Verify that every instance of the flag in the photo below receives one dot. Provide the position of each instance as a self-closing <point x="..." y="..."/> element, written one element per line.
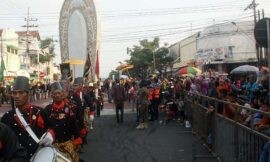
<point x="2" y="69"/>
<point x="97" y="65"/>
<point x="87" y="66"/>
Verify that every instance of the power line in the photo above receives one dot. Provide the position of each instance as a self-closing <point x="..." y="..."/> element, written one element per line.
<point x="137" y="36"/>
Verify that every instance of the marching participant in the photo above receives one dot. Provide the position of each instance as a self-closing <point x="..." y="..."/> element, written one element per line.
<point x="77" y="98"/>
<point x="31" y="114"/>
<point x="62" y="120"/>
<point x="91" y="103"/>
<point x="100" y="101"/>
<point x="10" y="150"/>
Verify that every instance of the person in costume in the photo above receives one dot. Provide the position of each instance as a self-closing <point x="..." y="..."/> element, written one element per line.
<point x="62" y="120"/>
<point x="10" y="149"/>
<point x="118" y="93"/>
<point x="143" y="105"/>
<point x="91" y="103"/>
<point x="100" y="101"/>
<point x="32" y="115"/>
<point x="77" y="98"/>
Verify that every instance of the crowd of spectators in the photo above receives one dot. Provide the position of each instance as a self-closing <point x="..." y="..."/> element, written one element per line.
<point x="38" y="91"/>
<point x="242" y="96"/>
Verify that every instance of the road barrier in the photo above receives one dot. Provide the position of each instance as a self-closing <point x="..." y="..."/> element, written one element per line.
<point x="228" y="138"/>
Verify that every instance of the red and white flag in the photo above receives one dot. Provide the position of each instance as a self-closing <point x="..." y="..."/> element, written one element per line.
<point x="97" y="65"/>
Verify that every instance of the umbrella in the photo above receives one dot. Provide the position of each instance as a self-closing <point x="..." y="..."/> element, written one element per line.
<point x="75" y="61"/>
<point x="24" y="73"/>
<point x="189" y="70"/>
<point x="123" y="66"/>
<point x="245" y="69"/>
<point x="128" y="67"/>
<point x="188" y="75"/>
<point x="123" y="77"/>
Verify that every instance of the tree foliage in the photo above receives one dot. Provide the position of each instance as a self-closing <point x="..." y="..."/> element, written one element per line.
<point x="47" y="43"/>
<point x="115" y="73"/>
<point x="142" y="56"/>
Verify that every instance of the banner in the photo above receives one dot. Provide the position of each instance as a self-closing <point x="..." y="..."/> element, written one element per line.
<point x="87" y="66"/>
<point x="66" y="72"/>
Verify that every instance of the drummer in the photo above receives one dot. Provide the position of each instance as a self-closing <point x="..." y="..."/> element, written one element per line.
<point x="61" y="118"/>
<point x="31" y="114"/>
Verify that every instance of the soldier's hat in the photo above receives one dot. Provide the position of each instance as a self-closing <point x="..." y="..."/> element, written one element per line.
<point x="21" y="83"/>
<point x="56" y="86"/>
<point x="78" y="81"/>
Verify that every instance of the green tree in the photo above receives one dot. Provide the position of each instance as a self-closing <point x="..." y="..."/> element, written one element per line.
<point x="115" y="73"/>
<point x="46" y="43"/>
<point x="142" y="57"/>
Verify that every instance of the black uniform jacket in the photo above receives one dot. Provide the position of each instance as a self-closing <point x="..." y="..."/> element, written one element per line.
<point x="35" y="118"/>
<point x="62" y="120"/>
<point x="80" y="106"/>
<point x="10" y="149"/>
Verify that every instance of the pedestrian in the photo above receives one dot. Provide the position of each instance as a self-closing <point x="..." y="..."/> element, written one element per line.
<point x="10" y="149"/>
<point x="143" y="105"/>
<point x="118" y="94"/>
<point x="31" y="114"/>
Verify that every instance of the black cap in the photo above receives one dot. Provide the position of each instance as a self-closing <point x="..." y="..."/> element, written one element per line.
<point x="56" y="86"/>
<point x="21" y="83"/>
<point x="78" y="81"/>
<point x="63" y="85"/>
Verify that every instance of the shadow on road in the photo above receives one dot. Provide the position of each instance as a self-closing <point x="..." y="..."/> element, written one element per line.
<point x="112" y="142"/>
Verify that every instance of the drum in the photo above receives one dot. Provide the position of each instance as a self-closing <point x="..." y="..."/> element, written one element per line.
<point x="49" y="154"/>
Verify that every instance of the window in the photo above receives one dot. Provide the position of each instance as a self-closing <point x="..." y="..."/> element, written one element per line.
<point x="8" y="49"/>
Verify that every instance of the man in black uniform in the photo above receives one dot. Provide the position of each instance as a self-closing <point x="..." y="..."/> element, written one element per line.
<point x="62" y="120"/>
<point x="10" y="149"/>
<point x="78" y="99"/>
<point x="31" y="114"/>
<point x="118" y="94"/>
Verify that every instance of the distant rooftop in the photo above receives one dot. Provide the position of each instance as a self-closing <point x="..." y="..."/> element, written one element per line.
<point x="32" y="33"/>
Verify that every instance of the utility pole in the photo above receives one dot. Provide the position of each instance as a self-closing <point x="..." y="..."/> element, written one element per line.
<point x="253" y="6"/>
<point x="1" y="48"/>
<point x="154" y="60"/>
<point x="268" y="49"/>
<point x="28" y="26"/>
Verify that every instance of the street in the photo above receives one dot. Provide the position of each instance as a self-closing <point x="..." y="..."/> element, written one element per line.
<point x="112" y="142"/>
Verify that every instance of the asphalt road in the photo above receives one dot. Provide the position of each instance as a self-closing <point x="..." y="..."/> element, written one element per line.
<point x="112" y="142"/>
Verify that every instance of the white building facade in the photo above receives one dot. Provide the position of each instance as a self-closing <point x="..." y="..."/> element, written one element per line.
<point x="226" y="44"/>
<point x="9" y="52"/>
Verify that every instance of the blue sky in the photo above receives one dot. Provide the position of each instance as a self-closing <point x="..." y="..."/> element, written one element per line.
<point x="125" y="22"/>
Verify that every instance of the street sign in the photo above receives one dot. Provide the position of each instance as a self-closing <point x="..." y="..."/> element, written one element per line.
<point x="41" y="74"/>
